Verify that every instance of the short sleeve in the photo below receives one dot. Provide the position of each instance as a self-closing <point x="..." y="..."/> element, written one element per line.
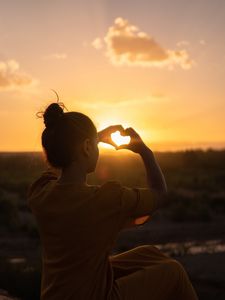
<point x="138" y="202"/>
<point x="135" y="206"/>
<point x="129" y="206"/>
<point x="44" y="178"/>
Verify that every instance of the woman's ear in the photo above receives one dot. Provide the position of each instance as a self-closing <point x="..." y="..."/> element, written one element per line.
<point x="87" y="147"/>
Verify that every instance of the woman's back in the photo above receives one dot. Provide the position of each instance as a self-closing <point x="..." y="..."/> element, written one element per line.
<point x="78" y="226"/>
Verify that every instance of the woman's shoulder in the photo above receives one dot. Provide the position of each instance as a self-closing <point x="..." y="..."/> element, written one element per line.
<point x="46" y="176"/>
<point x="110" y="188"/>
<point x="111" y="184"/>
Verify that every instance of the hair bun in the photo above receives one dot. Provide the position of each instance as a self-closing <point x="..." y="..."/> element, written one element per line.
<point x="52" y="115"/>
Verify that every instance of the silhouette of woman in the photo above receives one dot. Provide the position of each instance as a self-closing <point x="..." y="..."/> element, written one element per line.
<point x="78" y="223"/>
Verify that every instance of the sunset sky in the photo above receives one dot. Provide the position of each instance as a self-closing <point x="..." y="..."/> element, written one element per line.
<point x="157" y="66"/>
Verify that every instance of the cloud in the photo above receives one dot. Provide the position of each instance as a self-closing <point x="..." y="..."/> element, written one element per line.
<point x="97" y="43"/>
<point x="12" y="77"/>
<point x="57" y="56"/>
<point x="127" y="45"/>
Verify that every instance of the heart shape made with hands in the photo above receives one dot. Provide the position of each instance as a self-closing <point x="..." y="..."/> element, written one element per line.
<point x="119" y="139"/>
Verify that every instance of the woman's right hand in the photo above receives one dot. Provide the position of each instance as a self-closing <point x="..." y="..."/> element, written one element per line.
<point x="136" y="143"/>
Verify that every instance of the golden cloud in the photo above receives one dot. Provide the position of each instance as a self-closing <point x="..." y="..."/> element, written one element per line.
<point x="127" y="45"/>
<point x="97" y="43"/>
<point x="11" y="76"/>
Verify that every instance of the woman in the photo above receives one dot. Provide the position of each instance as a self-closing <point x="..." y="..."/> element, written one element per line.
<point x="78" y="223"/>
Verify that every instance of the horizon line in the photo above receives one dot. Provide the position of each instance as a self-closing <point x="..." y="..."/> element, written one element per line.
<point x="109" y="151"/>
<point x="167" y="146"/>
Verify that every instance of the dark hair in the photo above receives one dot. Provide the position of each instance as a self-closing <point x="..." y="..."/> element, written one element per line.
<point x="63" y="133"/>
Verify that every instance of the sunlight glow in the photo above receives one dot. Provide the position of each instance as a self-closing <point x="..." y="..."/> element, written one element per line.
<point x="119" y="139"/>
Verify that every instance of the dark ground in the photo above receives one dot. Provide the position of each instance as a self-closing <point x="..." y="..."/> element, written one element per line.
<point x="206" y="270"/>
<point x="194" y="222"/>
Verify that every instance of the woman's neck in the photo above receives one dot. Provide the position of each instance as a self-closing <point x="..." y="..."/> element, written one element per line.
<point x="75" y="173"/>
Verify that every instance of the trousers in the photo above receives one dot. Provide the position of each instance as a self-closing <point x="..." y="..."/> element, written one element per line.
<point x="145" y="273"/>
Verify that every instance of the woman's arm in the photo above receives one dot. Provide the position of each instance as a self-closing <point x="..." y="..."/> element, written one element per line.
<point x="155" y="178"/>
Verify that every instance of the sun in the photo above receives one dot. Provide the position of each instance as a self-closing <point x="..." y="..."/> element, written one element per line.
<point x="119" y="139"/>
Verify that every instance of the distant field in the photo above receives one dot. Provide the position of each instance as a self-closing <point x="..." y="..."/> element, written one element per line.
<point x="191" y="169"/>
<point x="195" y="181"/>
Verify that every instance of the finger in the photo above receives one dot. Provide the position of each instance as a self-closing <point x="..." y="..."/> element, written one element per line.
<point x="130" y="131"/>
<point x="113" y="144"/>
<point x="110" y="143"/>
<point x="127" y="131"/>
<point x="124" y="146"/>
<point x="109" y="130"/>
<point x="124" y="133"/>
<point x="118" y="127"/>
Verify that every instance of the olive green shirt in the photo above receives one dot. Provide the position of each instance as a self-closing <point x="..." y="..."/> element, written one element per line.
<point x="78" y="226"/>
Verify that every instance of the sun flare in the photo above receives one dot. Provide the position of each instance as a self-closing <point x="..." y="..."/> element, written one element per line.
<point x="119" y="139"/>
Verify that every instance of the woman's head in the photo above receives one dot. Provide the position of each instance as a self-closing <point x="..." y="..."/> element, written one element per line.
<point x="68" y="137"/>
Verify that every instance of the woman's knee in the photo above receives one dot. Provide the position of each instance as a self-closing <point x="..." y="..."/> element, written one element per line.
<point x="170" y="268"/>
<point x="144" y="247"/>
<point x="147" y="248"/>
<point x="175" y="270"/>
<point x="175" y="265"/>
<point x="180" y="280"/>
<point x="153" y="252"/>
